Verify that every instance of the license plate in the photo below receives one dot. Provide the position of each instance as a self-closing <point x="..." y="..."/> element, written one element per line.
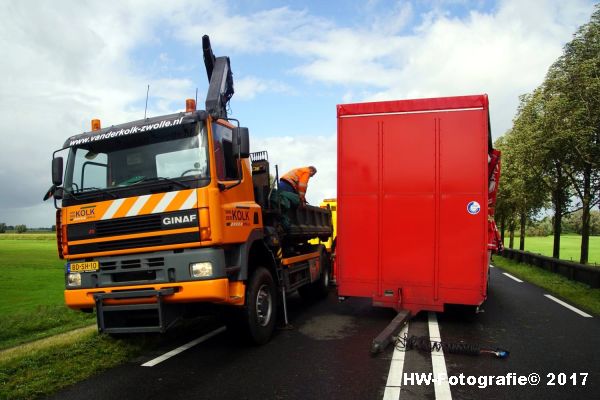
<point x="84" y="266"/>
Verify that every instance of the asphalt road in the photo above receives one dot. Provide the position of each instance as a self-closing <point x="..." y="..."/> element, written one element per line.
<point x="326" y="355"/>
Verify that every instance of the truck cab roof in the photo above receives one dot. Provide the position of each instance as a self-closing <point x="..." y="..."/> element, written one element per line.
<point x="136" y="127"/>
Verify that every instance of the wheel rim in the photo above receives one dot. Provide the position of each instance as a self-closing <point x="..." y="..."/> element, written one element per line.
<point x="264" y="305"/>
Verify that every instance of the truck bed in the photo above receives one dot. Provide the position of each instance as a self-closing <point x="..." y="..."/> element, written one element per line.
<point x="294" y="222"/>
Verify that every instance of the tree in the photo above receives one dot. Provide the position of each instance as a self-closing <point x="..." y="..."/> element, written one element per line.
<point x="2" y="227"/>
<point x="528" y="193"/>
<point x="21" y="228"/>
<point x="575" y="79"/>
<point x="540" y="117"/>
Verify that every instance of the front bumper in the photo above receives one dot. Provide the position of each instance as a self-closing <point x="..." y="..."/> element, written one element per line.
<point x="212" y="291"/>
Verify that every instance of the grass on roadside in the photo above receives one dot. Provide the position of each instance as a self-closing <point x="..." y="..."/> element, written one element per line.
<point x="576" y="293"/>
<point x="29" y="236"/>
<point x="32" y="284"/>
<point x="17" y="328"/>
<point x="45" y="371"/>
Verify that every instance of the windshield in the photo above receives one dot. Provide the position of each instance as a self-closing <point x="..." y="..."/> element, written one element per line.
<point x="173" y="155"/>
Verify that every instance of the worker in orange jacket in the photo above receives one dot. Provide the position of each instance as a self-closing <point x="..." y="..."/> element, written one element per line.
<point x="296" y="181"/>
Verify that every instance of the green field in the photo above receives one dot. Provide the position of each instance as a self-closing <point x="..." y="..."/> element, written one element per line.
<point x="32" y="284"/>
<point x="570" y="246"/>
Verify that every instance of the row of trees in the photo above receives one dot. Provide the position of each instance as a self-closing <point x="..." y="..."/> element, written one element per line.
<point x="571" y="224"/>
<point x="551" y="156"/>
<point x="16" y="228"/>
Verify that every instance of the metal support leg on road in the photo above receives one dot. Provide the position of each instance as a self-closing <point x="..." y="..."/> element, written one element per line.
<point x="385" y="337"/>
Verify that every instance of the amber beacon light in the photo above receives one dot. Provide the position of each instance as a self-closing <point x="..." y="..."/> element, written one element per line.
<point x="190" y="105"/>
<point x="96" y="125"/>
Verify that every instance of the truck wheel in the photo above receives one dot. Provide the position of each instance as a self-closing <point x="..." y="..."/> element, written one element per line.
<point x="260" y="311"/>
<point x="319" y="288"/>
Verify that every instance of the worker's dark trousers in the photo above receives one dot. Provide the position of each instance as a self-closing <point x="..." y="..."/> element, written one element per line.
<point x="285" y="187"/>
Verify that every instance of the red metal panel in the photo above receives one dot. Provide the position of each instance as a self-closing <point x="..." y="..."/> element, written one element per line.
<point x="463" y="180"/>
<point x="407" y="171"/>
<point x="408" y="205"/>
<point x="357" y="243"/>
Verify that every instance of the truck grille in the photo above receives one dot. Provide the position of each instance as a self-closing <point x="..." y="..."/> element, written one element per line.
<point x="135" y="243"/>
<point x="125" y="226"/>
<point x="126" y="271"/>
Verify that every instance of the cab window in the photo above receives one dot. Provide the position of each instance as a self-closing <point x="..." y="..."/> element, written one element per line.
<point x="226" y="161"/>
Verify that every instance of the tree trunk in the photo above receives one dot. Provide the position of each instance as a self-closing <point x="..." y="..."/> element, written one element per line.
<point x="557" y="223"/>
<point x="585" y="215"/>
<point x="502" y="229"/>
<point x="511" y="230"/>
<point x="522" y="238"/>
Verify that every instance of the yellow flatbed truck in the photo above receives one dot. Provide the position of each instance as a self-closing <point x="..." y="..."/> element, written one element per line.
<point x="160" y="217"/>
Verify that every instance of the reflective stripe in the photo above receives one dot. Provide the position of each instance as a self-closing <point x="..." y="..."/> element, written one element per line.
<point x="112" y="209"/>
<point x="190" y="202"/>
<point x="164" y="202"/>
<point x="137" y="206"/>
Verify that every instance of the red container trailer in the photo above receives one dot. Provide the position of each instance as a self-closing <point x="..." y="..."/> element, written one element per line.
<point x="413" y="185"/>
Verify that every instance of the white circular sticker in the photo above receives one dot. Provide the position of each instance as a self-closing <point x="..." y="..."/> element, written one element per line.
<point x="473" y="208"/>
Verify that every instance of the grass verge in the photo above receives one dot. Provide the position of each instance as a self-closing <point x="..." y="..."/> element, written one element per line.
<point x="44" y="321"/>
<point x="32" y="284"/>
<point x="576" y="293"/>
<point x="43" y="371"/>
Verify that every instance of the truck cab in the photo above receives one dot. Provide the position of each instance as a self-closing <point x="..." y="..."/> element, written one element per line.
<point x="159" y="215"/>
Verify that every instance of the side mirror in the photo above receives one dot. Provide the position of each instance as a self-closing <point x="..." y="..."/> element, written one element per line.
<point x="57" y="171"/>
<point x="241" y="142"/>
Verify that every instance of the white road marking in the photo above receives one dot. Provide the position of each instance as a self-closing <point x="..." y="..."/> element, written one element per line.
<point x="491" y="266"/>
<point x="183" y="348"/>
<point x="512" y="277"/>
<point x="438" y="361"/>
<point x="394" y="380"/>
<point x="570" y="307"/>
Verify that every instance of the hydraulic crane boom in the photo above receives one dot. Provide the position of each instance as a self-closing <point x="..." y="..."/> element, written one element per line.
<point x="220" y="79"/>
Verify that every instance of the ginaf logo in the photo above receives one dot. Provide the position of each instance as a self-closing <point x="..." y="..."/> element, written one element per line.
<point x="473" y="208"/>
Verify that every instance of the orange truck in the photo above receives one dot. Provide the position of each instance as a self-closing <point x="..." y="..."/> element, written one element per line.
<point x="170" y="216"/>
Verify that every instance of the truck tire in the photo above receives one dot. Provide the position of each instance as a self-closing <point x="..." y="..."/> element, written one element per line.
<point x="260" y="312"/>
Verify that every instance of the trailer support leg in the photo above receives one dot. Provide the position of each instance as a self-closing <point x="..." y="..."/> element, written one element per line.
<point x="285" y="315"/>
<point x="385" y="337"/>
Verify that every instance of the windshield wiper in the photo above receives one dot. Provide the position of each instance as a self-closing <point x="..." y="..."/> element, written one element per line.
<point x="160" y="178"/>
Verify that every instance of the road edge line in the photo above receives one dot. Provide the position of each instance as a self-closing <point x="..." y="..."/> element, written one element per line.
<point x="183" y="348"/>
<point x="514" y="278"/>
<point x="438" y="361"/>
<point x="394" y="379"/>
<point x="570" y="307"/>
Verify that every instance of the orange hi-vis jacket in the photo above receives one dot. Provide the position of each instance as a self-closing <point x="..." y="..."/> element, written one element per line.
<point x="298" y="179"/>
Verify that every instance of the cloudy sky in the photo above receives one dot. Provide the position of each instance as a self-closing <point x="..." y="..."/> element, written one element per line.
<point x="66" y="62"/>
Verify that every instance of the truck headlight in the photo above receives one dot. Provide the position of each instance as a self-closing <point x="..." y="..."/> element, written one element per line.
<point x="201" y="269"/>
<point x="74" y="279"/>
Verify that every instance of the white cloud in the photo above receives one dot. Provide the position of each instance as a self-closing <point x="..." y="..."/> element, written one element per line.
<point x="505" y="53"/>
<point x="68" y="61"/>
<point x="248" y="87"/>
